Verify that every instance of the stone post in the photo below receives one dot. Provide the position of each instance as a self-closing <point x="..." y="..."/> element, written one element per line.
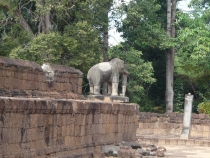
<point x="187" y="116"/>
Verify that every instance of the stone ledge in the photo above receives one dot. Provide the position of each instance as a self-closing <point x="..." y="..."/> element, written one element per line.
<point x="104" y="98"/>
<point x="44" y="105"/>
<point x="174" y="141"/>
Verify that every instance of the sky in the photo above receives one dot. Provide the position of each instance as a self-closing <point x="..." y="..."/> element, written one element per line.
<point x="114" y="36"/>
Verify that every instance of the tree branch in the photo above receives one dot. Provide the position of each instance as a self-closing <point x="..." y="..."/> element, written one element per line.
<point x="22" y="21"/>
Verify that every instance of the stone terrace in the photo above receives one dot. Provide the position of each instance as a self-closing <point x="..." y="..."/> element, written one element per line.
<point x="42" y="119"/>
<point x="19" y="78"/>
<point x="165" y="129"/>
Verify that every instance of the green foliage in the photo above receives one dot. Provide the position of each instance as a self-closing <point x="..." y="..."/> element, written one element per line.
<point x="140" y="77"/>
<point x="192" y="56"/>
<point x="78" y="46"/>
<point x="82" y="44"/>
<point x="16" y="38"/>
<point x="143" y="26"/>
<point x="204" y="107"/>
<point x="144" y="30"/>
<point x="178" y="94"/>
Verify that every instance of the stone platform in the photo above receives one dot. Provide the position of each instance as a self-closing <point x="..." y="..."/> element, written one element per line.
<point x="160" y="139"/>
<point x="106" y="98"/>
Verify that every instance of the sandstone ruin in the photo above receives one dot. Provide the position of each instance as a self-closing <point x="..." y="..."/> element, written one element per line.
<point x="48" y="117"/>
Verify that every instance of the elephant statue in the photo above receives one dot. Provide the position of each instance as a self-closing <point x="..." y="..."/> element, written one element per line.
<point x="108" y="72"/>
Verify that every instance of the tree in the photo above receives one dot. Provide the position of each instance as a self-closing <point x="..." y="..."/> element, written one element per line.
<point x="144" y="30"/>
<point x="171" y="14"/>
<point x="63" y="32"/>
<point x="140" y="74"/>
<point x="192" y="57"/>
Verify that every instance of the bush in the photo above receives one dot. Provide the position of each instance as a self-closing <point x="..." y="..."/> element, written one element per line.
<point x="204" y="107"/>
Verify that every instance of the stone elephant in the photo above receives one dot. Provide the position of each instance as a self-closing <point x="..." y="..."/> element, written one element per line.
<point x="108" y="72"/>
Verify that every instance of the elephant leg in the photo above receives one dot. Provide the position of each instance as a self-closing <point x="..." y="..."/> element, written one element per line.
<point x="104" y="91"/>
<point x="91" y="90"/>
<point x="123" y="91"/>
<point x="124" y="83"/>
<point x="91" y="85"/>
<point x="97" y="90"/>
<point x="114" y="89"/>
<point x="109" y="89"/>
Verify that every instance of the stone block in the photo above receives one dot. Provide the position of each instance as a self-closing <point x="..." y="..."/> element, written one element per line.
<point x="181" y="142"/>
<point x="60" y="141"/>
<point x="6" y="135"/>
<point x="98" y="154"/>
<point x="199" y="128"/>
<point x="162" y="125"/>
<point x="154" y="119"/>
<point x="167" y="142"/>
<point x="112" y="128"/>
<point x="206" y="128"/>
<point x="2" y="82"/>
<point x="87" y="140"/>
<point x="197" y="142"/>
<point x="173" y="142"/>
<point x="77" y="131"/>
<point x="79" y="120"/>
<point x="69" y="141"/>
<point x="161" y="141"/>
<point x="201" y="116"/>
<point x="191" y="142"/>
<point x="141" y="125"/>
<point x="74" y="88"/>
<point x="7" y="82"/>
<point x="116" y="99"/>
<point x="71" y="130"/>
<point x="206" y="134"/>
<point x="69" y="87"/>
<point x="206" y="143"/>
<point x="193" y="133"/>
<point x="80" y="80"/>
<point x="89" y="119"/>
<point x="146" y="125"/>
<point x="106" y="128"/>
<point x="16" y="135"/>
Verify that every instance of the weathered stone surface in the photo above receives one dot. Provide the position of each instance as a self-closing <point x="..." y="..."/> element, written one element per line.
<point x="21" y="78"/>
<point x="98" y="154"/>
<point x="104" y="98"/>
<point x="151" y="147"/>
<point x="143" y="152"/>
<point x="123" y="153"/>
<point x="62" y="127"/>
<point x="171" y="124"/>
<point x="110" y="150"/>
<point x="134" y="145"/>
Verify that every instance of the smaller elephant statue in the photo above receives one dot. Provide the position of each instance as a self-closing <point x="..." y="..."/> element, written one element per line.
<point x="108" y="72"/>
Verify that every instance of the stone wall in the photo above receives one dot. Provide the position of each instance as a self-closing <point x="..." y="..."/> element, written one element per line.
<point x="19" y="78"/>
<point x="32" y="127"/>
<point x="171" y="124"/>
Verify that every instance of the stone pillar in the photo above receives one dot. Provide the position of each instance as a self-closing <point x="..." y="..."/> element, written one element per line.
<point x="187" y="116"/>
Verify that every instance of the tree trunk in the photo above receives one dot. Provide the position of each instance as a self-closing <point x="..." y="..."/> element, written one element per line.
<point x="45" y="23"/>
<point x="173" y="34"/>
<point x="105" y="46"/>
<point x="48" y="25"/>
<point x="169" y="73"/>
<point x="23" y="22"/>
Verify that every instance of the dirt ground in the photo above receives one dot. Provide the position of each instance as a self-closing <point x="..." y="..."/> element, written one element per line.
<point x="187" y="152"/>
